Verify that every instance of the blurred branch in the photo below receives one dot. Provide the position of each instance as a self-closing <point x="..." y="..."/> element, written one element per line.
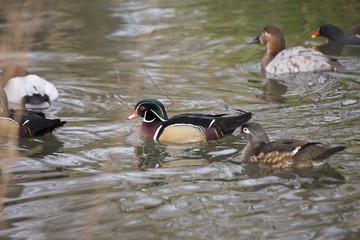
<point x="21" y="19"/>
<point x="156" y="86"/>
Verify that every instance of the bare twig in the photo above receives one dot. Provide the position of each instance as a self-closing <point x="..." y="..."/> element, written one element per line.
<point x="317" y="91"/>
<point x="119" y="80"/>
<point x="22" y="22"/>
<point x="117" y="73"/>
<point x="152" y="81"/>
<point x="23" y="27"/>
<point x="126" y="103"/>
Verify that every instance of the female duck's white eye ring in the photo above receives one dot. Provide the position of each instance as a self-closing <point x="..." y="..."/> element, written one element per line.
<point x="246" y="130"/>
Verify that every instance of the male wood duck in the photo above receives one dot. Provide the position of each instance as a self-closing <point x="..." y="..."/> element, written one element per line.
<point x="24" y="123"/>
<point x="279" y="60"/>
<point x="184" y="128"/>
<point x="26" y="89"/>
<point x="335" y="34"/>
<point x="284" y="153"/>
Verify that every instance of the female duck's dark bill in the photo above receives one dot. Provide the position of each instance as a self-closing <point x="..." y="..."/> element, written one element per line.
<point x="255" y="41"/>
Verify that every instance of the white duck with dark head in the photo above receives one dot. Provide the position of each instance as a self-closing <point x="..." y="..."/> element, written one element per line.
<point x="27" y="89"/>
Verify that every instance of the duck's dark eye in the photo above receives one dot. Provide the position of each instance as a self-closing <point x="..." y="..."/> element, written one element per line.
<point x="142" y="108"/>
<point x="246" y="130"/>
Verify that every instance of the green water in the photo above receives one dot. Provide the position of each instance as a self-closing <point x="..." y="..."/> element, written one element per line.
<point x="95" y="179"/>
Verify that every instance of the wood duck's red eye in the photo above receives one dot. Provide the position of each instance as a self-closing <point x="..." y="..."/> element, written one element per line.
<point x="142" y="108"/>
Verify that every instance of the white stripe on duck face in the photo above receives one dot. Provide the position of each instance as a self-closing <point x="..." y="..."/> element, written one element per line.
<point x="151" y="120"/>
<point x="146" y="120"/>
<point x="162" y="119"/>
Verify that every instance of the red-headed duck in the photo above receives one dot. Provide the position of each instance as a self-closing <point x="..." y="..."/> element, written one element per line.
<point x="279" y="60"/>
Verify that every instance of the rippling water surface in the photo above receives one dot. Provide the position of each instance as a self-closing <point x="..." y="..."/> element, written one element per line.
<point x="95" y="179"/>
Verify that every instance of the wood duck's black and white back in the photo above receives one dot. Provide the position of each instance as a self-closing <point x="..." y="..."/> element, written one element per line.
<point x="284" y="153"/>
<point x="184" y="128"/>
<point x="24" y="123"/>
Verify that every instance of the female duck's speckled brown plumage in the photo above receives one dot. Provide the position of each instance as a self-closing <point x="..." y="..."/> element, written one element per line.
<point x="284" y="153"/>
<point x="279" y="60"/>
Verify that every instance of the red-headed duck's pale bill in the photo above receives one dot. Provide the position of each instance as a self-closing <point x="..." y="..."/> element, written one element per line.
<point x="316" y="34"/>
<point x="135" y="115"/>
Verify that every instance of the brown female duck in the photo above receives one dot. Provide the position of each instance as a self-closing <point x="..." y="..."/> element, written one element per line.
<point x="283" y="153"/>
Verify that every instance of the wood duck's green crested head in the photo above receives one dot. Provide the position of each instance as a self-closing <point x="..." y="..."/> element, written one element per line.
<point x="150" y="110"/>
<point x="254" y="133"/>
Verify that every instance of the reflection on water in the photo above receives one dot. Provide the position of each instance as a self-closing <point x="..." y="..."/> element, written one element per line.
<point x="95" y="179"/>
<point x="156" y="155"/>
<point x="322" y="175"/>
<point x="272" y="91"/>
<point x="338" y="49"/>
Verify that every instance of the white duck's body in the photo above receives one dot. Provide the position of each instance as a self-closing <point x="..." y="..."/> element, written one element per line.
<point x="23" y="88"/>
<point x="299" y="59"/>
